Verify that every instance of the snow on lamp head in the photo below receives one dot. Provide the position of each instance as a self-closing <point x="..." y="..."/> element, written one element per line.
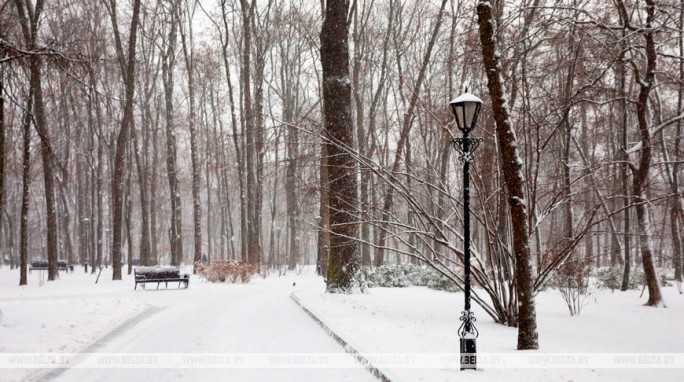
<point x="466" y="108"/>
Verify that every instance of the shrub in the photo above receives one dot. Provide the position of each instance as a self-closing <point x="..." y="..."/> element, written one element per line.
<point x="572" y="281"/>
<point x="222" y="271"/>
<point x="405" y="275"/>
<point x="611" y="278"/>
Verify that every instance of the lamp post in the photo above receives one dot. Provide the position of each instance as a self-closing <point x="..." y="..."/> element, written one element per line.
<point x="466" y="109"/>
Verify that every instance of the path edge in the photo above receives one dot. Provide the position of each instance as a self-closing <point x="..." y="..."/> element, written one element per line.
<point x="122" y="327"/>
<point x="345" y="345"/>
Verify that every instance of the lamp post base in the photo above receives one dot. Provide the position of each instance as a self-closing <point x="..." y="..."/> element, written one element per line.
<point x="468" y="354"/>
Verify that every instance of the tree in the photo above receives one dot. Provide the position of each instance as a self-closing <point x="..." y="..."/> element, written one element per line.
<point x="343" y="260"/>
<point x="189" y="55"/>
<point x="25" y="191"/>
<point x="30" y="16"/>
<point x="127" y="65"/>
<point x="168" y="66"/>
<point x="646" y="78"/>
<point x="512" y="171"/>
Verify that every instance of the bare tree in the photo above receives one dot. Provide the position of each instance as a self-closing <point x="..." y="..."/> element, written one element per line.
<point x="512" y="171"/>
<point x="168" y="65"/>
<point x="29" y="16"/>
<point x="184" y="14"/>
<point x="127" y="64"/>
<point x="343" y="260"/>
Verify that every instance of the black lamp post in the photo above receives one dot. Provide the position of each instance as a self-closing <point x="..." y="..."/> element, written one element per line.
<point x="466" y="108"/>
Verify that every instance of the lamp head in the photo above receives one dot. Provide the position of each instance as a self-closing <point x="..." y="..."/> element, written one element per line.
<point x="466" y="109"/>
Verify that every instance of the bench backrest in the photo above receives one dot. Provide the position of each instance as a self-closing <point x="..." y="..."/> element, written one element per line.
<point x="156" y="273"/>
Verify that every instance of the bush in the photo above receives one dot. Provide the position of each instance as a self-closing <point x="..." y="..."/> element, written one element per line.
<point x="611" y="278"/>
<point x="222" y="271"/>
<point x="405" y="275"/>
<point x="572" y="281"/>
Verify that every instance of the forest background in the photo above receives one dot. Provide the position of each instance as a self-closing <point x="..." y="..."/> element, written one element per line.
<point x="168" y="130"/>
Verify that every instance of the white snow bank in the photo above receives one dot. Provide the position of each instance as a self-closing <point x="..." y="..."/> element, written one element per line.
<point x="412" y="321"/>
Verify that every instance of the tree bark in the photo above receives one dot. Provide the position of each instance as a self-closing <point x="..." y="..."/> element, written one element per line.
<point x="189" y="55"/>
<point x="25" y="191"/>
<point x="175" y="229"/>
<point x="641" y="172"/>
<point x="2" y="148"/>
<point x="29" y="18"/>
<point x="512" y="171"/>
<point x="343" y="260"/>
<point x="122" y="136"/>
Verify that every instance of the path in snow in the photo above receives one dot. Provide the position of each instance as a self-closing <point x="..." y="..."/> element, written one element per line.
<point x="207" y="318"/>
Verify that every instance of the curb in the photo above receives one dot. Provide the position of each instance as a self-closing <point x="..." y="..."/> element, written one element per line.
<point x="100" y="342"/>
<point x="347" y="348"/>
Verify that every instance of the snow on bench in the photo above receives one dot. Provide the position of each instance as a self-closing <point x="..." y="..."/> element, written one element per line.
<point x="159" y="274"/>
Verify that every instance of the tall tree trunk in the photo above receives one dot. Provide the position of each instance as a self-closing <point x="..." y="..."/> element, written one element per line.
<point x="512" y="171"/>
<point x="253" y="247"/>
<point x="29" y="17"/>
<point x="625" y="167"/>
<point x="323" y="213"/>
<point x="144" y="202"/>
<point x="2" y="147"/>
<point x="343" y="257"/>
<point x="128" y="71"/>
<point x="291" y="191"/>
<point x="25" y="191"/>
<point x="100" y="208"/>
<point x="189" y="55"/>
<point x="129" y="210"/>
<point x="641" y="172"/>
<point x="175" y="230"/>
<point x="677" y="213"/>
<point x="154" y="240"/>
<point x="237" y="141"/>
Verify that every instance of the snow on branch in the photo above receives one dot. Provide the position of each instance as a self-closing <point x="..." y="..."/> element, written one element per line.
<point x="9" y="52"/>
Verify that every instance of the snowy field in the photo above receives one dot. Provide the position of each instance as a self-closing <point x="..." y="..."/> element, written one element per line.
<point x="256" y="332"/>
<point x="614" y="338"/>
<point x="207" y="332"/>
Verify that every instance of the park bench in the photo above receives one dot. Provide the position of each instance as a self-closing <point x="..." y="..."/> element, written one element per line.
<point x="42" y="265"/>
<point x="144" y="275"/>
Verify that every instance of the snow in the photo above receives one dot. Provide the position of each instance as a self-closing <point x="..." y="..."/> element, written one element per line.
<point x="344" y="80"/>
<point x="416" y="322"/>
<point x="256" y="322"/>
<point x="255" y="332"/>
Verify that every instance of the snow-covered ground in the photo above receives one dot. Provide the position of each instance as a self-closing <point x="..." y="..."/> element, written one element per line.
<point x="248" y="332"/>
<point x="255" y="332"/>
<point x="614" y="338"/>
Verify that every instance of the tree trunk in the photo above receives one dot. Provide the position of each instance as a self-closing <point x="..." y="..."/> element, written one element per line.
<point x="122" y="136"/>
<point x="642" y="171"/>
<point x="253" y="248"/>
<point x="25" y="191"/>
<point x="343" y="260"/>
<point x="677" y="213"/>
<point x="291" y="192"/>
<point x="175" y="229"/>
<point x="2" y="148"/>
<point x="29" y="17"/>
<point x="625" y="167"/>
<point x="324" y="213"/>
<point x="512" y="171"/>
<point x="144" y="202"/>
<point x="188" y="54"/>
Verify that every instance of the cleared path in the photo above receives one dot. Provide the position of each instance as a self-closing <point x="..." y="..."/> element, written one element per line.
<point x="208" y="320"/>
